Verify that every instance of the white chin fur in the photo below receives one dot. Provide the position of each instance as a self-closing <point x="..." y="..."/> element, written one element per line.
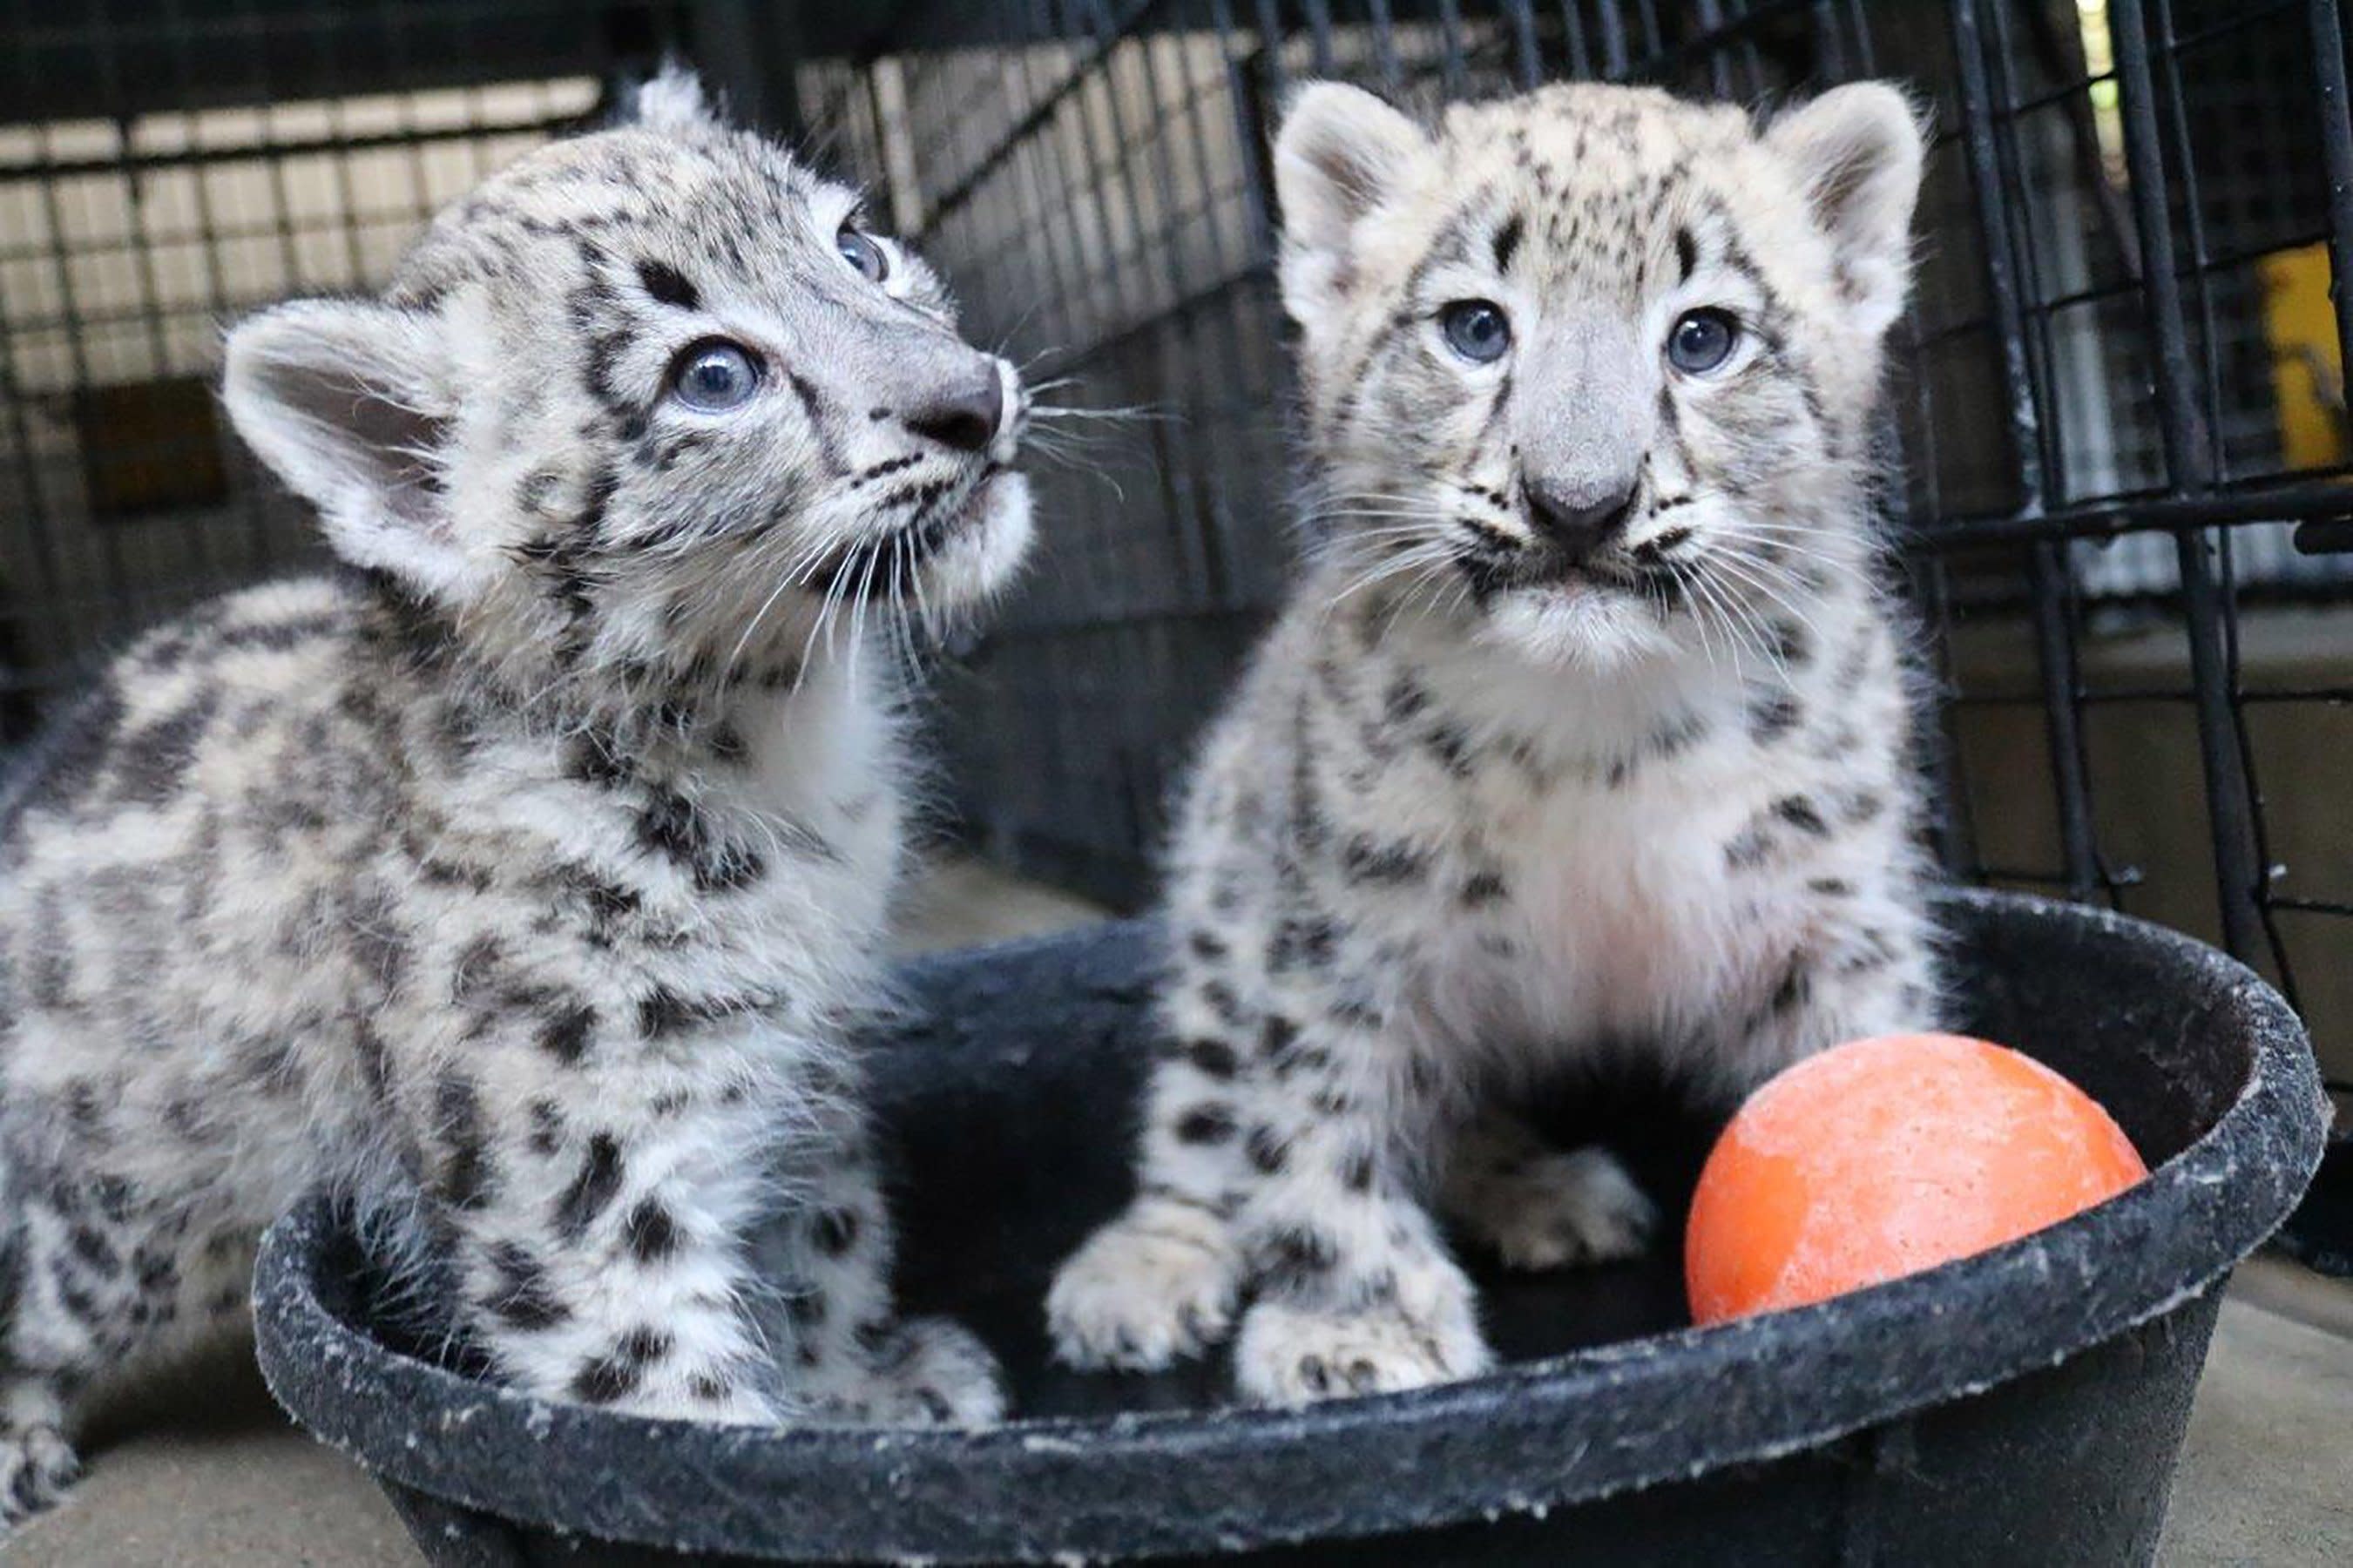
<point x="1577" y="626"/>
<point x="980" y="560"/>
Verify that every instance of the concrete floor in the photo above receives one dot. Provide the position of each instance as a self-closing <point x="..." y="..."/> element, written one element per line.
<point x="2266" y="1477"/>
<point x="209" y="1473"/>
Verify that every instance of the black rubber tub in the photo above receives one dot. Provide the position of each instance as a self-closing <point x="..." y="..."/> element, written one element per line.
<point x="2022" y="1406"/>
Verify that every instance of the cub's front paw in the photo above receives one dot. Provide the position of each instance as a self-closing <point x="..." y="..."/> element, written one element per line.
<point x="1567" y="1207"/>
<point x="1158" y="1283"/>
<point x="926" y="1372"/>
<point x="1289" y="1354"/>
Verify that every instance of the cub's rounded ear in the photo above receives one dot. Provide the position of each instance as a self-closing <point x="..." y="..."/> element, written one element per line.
<point x="349" y="404"/>
<point x="672" y="101"/>
<point x="1340" y="154"/>
<point x="1857" y="151"/>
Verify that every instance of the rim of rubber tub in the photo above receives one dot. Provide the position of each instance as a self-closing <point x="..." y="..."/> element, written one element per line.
<point x="1534" y="1436"/>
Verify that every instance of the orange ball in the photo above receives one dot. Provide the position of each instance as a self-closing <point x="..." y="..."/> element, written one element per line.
<point x="1882" y="1157"/>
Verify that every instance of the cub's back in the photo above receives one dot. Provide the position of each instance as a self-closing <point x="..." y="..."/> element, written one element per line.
<point x="174" y="859"/>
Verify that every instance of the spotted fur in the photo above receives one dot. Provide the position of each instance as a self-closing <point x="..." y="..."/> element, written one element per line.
<point x="524" y="878"/>
<point x="1585" y="735"/>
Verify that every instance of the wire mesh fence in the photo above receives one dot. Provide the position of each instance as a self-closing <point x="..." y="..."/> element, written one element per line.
<point x="2120" y="401"/>
<point x="166" y="165"/>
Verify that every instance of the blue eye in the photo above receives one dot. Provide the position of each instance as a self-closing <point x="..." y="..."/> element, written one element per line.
<point x="716" y="375"/>
<point x="1477" y="330"/>
<point x="1701" y="341"/>
<point x="864" y="252"/>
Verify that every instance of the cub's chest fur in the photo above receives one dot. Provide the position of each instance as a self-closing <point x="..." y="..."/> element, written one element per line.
<point x="1623" y="914"/>
<point x="813" y="801"/>
<point x="819" y="782"/>
<point x="769" y="840"/>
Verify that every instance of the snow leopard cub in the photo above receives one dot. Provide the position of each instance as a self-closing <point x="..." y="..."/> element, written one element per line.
<point x="1587" y="732"/>
<point x="528" y="875"/>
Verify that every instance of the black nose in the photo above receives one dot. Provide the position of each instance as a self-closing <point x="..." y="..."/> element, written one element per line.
<point x="1577" y="521"/>
<point x="964" y="410"/>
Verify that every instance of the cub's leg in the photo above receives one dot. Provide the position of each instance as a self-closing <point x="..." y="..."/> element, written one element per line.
<point x="596" y="1178"/>
<point x="829" y="1262"/>
<point x="601" y="1250"/>
<point x="1161" y="1281"/>
<point x="1277" y="1157"/>
<point x="54" y="1342"/>
<point x="609" y="1209"/>
<point x="101" y="1277"/>
<point x="1354" y="1290"/>
<point x="1538" y="1206"/>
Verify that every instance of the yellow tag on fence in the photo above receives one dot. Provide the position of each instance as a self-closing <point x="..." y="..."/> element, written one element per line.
<point x="2307" y="365"/>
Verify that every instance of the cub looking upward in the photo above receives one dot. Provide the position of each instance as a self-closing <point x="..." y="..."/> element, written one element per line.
<point x="1585" y="734"/>
<point x="528" y="874"/>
